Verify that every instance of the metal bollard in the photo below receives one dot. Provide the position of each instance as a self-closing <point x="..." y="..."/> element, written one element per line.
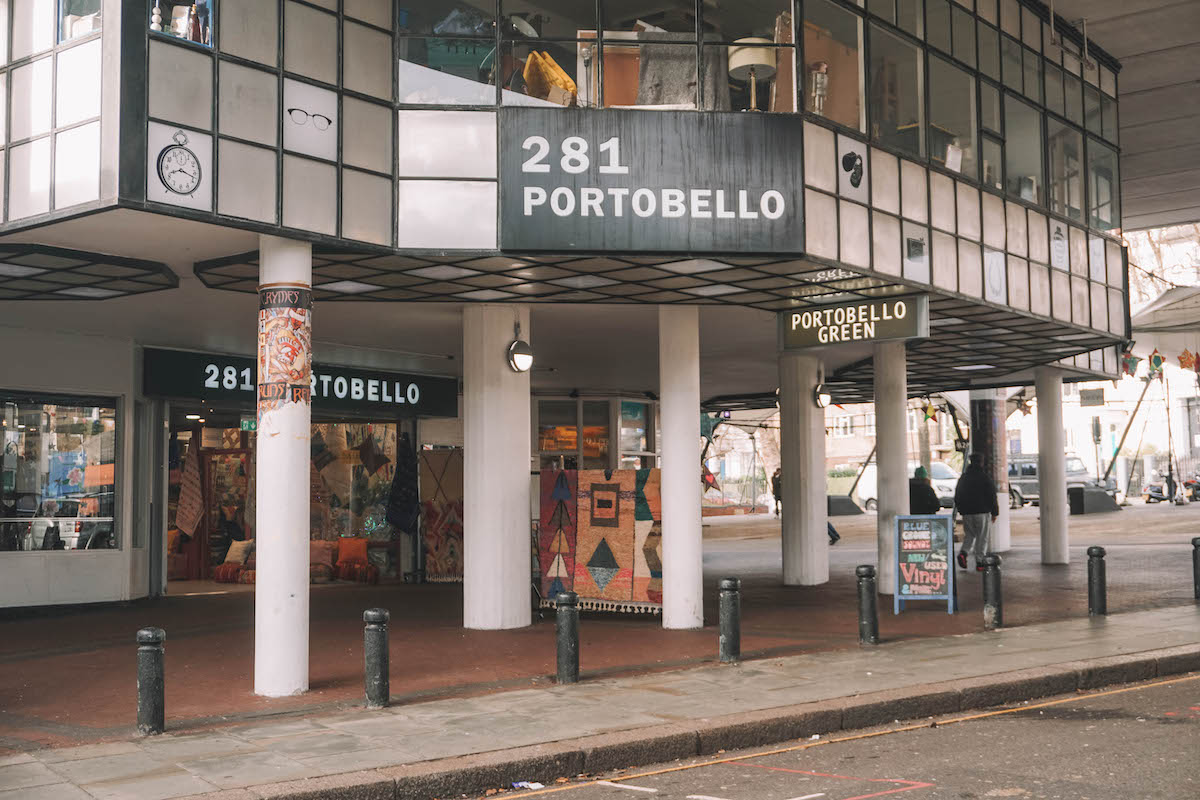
<point x="566" y="629"/>
<point x="151" y="705"/>
<point x="1196" y="567"/>
<point x="993" y="601"/>
<point x="868" y="610"/>
<point x="377" y="673"/>
<point x="729" y="638"/>
<point x="1097" y="582"/>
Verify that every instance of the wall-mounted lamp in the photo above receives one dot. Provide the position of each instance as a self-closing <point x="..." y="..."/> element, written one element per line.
<point x="821" y="396"/>
<point x="520" y="354"/>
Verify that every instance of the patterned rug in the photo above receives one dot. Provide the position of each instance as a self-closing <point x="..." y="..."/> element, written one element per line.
<point x="441" y="477"/>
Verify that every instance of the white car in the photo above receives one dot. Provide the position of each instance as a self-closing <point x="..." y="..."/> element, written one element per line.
<point x="941" y="475"/>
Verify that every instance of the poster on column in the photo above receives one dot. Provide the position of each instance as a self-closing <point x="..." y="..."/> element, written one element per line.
<point x="284" y="347"/>
<point x="924" y="566"/>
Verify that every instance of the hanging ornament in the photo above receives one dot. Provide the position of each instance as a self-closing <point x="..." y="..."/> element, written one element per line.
<point x="1129" y="363"/>
<point x="1156" y="362"/>
<point x="1187" y="360"/>
<point x="1024" y="407"/>
<point x="930" y="412"/>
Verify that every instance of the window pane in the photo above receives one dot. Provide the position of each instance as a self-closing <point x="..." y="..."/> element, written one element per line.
<point x="1031" y="29"/>
<point x="447" y="17"/>
<point x="757" y="78"/>
<point x="833" y="72"/>
<point x="541" y="73"/>
<point x="1033" y="76"/>
<point x="1023" y="150"/>
<point x="908" y="16"/>
<point x="884" y="9"/>
<point x="990" y="154"/>
<point x="633" y="427"/>
<point x="1091" y="109"/>
<point x="80" y="17"/>
<point x="989" y="51"/>
<point x="595" y="434"/>
<point x="676" y="17"/>
<point x="766" y="19"/>
<point x="557" y="426"/>
<point x="1013" y="65"/>
<point x="1054" y="90"/>
<point x="523" y="20"/>
<point x="655" y="75"/>
<point x="951" y="117"/>
<point x="448" y="71"/>
<point x="58" y="475"/>
<point x="1073" y="98"/>
<point x="938" y="24"/>
<point x="897" y="108"/>
<point x="175" y="19"/>
<point x="1103" y="186"/>
<point x="987" y="10"/>
<point x="1065" y="144"/>
<point x="989" y="100"/>
<point x="1108" y="114"/>
<point x="964" y="36"/>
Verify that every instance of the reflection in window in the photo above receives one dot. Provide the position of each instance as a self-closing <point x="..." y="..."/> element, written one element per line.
<point x="57" y="475"/>
<point x="441" y="71"/>
<point x="951" y="117"/>
<point x="989" y="51"/>
<point x="964" y="36"/>
<point x="442" y="18"/>
<point x="833" y="74"/>
<point x="634" y="416"/>
<point x="990" y="154"/>
<point x="191" y="21"/>
<point x="1091" y="109"/>
<point x="1033" y="76"/>
<point x="1108" y="117"/>
<point x="1012" y="65"/>
<point x="558" y="426"/>
<point x="897" y="108"/>
<point x="1065" y="144"/>
<point x="1073" y="94"/>
<point x="1054" y="90"/>
<point x="1022" y="150"/>
<point x="938" y="24"/>
<point x="1104" y="197"/>
<point x="78" y="18"/>
<point x="595" y="434"/>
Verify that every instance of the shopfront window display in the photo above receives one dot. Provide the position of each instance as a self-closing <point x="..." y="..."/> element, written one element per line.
<point x="58" y="474"/>
<point x="192" y="21"/>
<point x="78" y="18"/>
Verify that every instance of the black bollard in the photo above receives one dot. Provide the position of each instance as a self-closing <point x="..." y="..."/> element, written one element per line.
<point x="151" y="706"/>
<point x="729" y="639"/>
<point x="1196" y="567"/>
<point x="868" y="610"/>
<point x="1097" y="582"/>
<point x="566" y="629"/>
<point x="993" y="602"/>
<point x="377" y="674"/>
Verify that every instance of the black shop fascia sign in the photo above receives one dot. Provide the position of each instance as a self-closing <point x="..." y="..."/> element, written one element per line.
<point x="668" y="181"/>
<point x="230" y="380"/>
<point x="860" y="322"/>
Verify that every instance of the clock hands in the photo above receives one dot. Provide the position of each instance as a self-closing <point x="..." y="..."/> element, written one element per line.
<point x="184" y="171"/>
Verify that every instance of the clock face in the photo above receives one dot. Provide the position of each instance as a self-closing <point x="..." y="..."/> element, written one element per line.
<point x="178" y="169"/>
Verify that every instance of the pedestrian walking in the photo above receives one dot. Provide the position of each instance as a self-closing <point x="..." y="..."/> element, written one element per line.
<point x="922" y="499"/>
<point x="975" y="499"/>
<point x="777" y="488"/>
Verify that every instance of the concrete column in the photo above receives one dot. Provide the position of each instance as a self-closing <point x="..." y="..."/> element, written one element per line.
<point x="496" y="465"/>
<point x="282" y="467"/>
<point x="989" y="436"/>
<point x="679" y="405"/>
<point x="891" y="455"/>
<point x="802" y="445"/>
<point x="1052" y="467"/>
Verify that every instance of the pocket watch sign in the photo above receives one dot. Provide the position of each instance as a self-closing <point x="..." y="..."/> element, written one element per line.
<point x="180" y="167"/>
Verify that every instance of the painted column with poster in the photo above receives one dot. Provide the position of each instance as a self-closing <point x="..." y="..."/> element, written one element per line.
<point x="283" y="463"/>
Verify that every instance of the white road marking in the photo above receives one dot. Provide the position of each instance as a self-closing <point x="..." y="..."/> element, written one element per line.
<point x="627" y="786"/>
<point x="703" y="797"/>
<point x="809" y="796"/>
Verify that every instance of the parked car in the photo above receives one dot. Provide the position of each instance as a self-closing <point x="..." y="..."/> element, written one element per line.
<point x="941" y="475"/>
<point x="1023" y="477"/>
<point x="83" y="523"/>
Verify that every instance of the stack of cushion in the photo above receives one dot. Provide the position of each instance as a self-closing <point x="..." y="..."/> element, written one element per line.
<point x="352" y="562"/>
<point x="235" y="562"/>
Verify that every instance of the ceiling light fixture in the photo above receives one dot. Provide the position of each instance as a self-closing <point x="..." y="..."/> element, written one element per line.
<point x="192" y="416"/>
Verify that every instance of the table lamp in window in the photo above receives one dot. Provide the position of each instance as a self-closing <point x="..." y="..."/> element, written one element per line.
<point x="749" y="61"/>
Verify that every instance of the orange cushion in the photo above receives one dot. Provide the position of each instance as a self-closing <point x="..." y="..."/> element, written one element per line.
<point x="173" y="540"/>
<point x="352" y="549"/>
<point x="321" y="552"/>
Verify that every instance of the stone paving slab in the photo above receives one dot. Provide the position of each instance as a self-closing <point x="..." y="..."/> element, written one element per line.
<point x="597" y="724"/>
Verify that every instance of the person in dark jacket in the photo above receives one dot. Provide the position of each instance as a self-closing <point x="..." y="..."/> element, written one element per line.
<point x="777" y="488"/>
<point x="922" y="499"/>
<point x="975" y="499"/>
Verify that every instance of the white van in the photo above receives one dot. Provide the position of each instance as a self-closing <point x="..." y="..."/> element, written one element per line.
<point x="941" y="475"/>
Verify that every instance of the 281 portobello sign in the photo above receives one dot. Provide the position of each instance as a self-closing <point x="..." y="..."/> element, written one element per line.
<point x="855" y="323"/>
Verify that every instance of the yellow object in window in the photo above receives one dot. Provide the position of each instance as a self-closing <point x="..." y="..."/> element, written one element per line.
<point x="542" y="74"/>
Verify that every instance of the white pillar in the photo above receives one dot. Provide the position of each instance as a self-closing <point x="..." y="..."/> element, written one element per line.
<point x="1052" y="467"/>
<point x="679" y="405"/>
<point x="989" y="435"/>
<point x="496" y="465"/>
<point x="282" y="467"/>
<point x="802" y="446"/>
<point x="891" y="455"/>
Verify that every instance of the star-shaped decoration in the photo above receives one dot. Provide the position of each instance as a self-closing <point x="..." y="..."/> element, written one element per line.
<point x="930" y="412"/>
<point x="1156" y="362"/>
<point x="1129" y="363"/>
<point x="1187" y="360"/>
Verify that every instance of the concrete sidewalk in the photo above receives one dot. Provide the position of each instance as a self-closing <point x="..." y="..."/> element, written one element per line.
<point x="448" y="747"/>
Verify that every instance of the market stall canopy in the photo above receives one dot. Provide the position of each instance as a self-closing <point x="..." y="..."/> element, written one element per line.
<point x="1169" y="324"/>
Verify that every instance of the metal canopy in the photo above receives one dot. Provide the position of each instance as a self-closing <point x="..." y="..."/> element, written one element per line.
<point x="38" y="272"/>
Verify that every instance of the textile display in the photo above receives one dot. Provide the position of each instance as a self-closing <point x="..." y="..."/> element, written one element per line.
<point x="600" y="536"/>
<point x="191" y="496"/>
<point x="441" y="479"/>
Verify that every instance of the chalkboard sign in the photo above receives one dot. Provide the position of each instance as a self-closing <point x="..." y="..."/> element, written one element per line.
<point x="924" y="548"/>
